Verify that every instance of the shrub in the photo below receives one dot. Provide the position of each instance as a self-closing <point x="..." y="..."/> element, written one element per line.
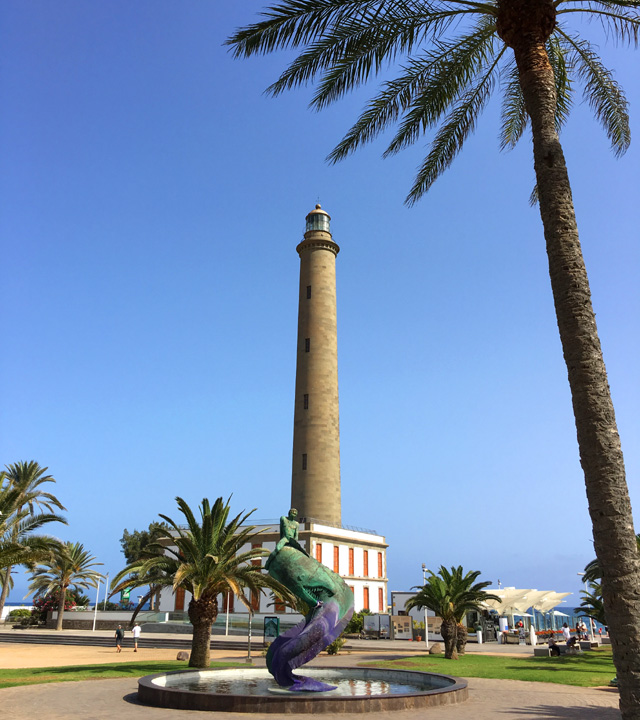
<point x="19" y="613"/>
<point x="356" y="623"/>
<point x="336" y="646"/>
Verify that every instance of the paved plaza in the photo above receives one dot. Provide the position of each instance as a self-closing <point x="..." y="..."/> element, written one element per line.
<point x="106" y="699"/>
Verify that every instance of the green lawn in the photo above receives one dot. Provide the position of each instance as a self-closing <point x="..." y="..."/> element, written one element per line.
<point x="591" y="669"/>
<point x="68" y="673"/>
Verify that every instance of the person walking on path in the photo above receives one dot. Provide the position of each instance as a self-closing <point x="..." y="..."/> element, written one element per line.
<point x="566" y="632"/>
<point x="136" y="636"/>
<point x="119" y="638"/>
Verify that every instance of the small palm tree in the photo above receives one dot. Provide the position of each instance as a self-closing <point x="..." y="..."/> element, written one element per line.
<point x="448" y="57"/>
<point x="69" y="565"/>
<point x="451" y="594"/>
<point x="592" y="605"/>
<point x="21" y="496"/>
<point x="205" y="558"/>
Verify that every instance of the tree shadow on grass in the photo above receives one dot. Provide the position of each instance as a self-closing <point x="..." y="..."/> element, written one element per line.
<point x="553" y="712"/>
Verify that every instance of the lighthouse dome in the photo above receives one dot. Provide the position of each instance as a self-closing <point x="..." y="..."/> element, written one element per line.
<point x="318" y="219"/>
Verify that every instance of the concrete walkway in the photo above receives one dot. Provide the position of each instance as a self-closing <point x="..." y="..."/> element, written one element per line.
<point x="488" y="699"/>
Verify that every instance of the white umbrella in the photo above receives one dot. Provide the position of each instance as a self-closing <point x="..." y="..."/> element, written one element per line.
<point x="557" y="613"/>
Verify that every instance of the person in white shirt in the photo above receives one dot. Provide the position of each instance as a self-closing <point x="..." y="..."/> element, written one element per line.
<point x="566" y="631"/>
<point x="136" y="636"/>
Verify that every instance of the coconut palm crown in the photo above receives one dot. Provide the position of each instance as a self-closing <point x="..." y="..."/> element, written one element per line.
<point x="69" y="566"/>
<point x="448" y="56"/>
<point x="451" y="594"/>
<point x="24" y="508"/>
<point x="205" y="557"/>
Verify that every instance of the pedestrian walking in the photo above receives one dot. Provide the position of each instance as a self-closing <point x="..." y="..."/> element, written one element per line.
<point x="119" y="638"/>
<point x="136" y="636"/>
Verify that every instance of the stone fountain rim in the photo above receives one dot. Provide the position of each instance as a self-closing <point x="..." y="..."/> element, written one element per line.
<point x="182" y="699"/>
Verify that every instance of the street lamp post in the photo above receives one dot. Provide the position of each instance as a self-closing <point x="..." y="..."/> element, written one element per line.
<point x="426" y="619"/>
<point x="586" y="589"/>
<point x="249" y="638"/>
<point x="95" y="609"/>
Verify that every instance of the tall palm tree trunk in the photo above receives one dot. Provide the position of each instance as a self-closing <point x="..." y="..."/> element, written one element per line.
<point x="61" y="601"/>
<point x="598" y="440"/>
<point x="6" y="579"/>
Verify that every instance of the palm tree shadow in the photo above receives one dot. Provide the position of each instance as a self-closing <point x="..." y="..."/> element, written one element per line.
<point x="552" y="712"/>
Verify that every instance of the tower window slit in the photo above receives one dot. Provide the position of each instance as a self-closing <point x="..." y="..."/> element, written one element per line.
<point x="308" y="292"/>
<point x="304" y="461"/>
<point x="307" y="344"/>
<point x="305" y="401"/>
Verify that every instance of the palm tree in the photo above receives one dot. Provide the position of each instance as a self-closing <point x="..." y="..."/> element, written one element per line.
<point x="69" y="565"/>
<point x="20" y="496"/>
<point x="451" y="595"/>
<point x="451" y="54"/>
<point x="592" y="605"/>
<point x="205" y="557"/>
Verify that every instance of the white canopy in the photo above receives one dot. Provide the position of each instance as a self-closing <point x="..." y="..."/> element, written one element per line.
<point x="516" y="601"/>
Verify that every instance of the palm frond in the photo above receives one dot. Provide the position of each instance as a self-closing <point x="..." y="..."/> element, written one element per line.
<point x="368" y="52"/>
<point x="564" y="90"/>
<point x="454" y="68"/>
<point x="451" y="136"/>
<point x="514" y="116"/>
<point x="620" y="20"/>
<point x="601" y="91"/>
<point x="296" y="23"/>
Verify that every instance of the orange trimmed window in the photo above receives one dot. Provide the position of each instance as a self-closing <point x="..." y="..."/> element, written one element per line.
<point x="319" y="552"/>
<point x="257" y="561"/>
<point x="255" y="601"/>
<point x="279" y="606"/>
<point x="365" y="563"/>
<point x="336" y="559"/>
<point x="351" y="561"/>
<point x="179" y="606"/>
<point x="380" y="600"/>
<point x="380" y="565"/>
<point x="366" y="598"/>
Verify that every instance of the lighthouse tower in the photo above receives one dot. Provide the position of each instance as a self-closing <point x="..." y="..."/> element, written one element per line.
<point x="315" y="481"/>
<point x="357" y="555"/>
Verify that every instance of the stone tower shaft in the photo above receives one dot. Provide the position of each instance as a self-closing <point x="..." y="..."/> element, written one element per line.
<point x="315" y="481"/>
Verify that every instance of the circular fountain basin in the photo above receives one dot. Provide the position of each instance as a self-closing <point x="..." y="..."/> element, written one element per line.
<point x="255" y="690"/>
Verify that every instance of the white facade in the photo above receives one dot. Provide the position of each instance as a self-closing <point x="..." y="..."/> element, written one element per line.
<point x="358" y="556"/>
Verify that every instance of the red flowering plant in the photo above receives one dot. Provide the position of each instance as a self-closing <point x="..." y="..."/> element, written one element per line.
<point x="45" y="603"/>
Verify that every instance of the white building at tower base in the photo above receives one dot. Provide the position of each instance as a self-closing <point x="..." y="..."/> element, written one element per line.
<point x="359" y="556"/>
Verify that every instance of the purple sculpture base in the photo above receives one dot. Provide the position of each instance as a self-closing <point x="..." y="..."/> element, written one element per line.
<point x="304" y="685"/>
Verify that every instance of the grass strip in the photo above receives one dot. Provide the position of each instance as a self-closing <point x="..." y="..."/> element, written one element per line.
<point x="591" y="669"/>
<point x="74" y="673"/>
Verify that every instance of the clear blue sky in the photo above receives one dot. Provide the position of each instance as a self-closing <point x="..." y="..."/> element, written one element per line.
<point x="151" y="199"/>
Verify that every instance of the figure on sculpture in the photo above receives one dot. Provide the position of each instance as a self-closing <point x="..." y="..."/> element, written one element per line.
<point x="330" y="603"/>
<point x="289" y="529"/>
